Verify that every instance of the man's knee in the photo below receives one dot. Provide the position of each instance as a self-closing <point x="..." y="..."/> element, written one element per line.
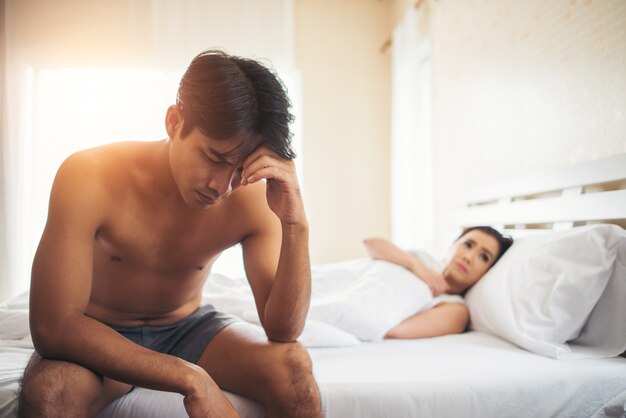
<point x="292" y="384"/>
<point x="46" y="391"/>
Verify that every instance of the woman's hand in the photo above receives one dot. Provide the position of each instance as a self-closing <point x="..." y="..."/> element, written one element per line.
<point x="435" y="281"/>
<point x="382" y="249"/>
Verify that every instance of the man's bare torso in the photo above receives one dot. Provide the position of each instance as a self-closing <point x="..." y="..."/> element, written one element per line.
<point x="152" y="253"/>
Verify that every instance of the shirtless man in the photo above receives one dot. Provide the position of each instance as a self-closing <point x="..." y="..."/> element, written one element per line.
<point x="132" y="232"/>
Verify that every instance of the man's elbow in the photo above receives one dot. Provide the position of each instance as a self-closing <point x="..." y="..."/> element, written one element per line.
<point x="46" y="337"/>
<point x="283" y="334"/>
<point x="282" y="338"/>
<point x="45" y="346"/>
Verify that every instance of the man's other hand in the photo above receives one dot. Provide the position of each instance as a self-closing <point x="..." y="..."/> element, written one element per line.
<point x="205" y="399"/>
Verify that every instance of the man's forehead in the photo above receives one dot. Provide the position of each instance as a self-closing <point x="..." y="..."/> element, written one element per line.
<point x="233" y="150"/>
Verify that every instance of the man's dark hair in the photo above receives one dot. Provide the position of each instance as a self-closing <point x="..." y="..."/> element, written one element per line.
<point x="504" y="241"/>
<point x="226" y="96"/>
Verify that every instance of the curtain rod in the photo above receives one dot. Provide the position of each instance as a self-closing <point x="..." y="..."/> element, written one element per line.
<point x="389" y="41"/>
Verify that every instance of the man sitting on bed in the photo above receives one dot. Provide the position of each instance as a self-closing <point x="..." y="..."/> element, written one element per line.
<point x="133" y="229"/>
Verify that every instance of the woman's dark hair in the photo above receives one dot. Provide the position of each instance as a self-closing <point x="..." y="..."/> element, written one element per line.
<point x="504" y="241"/>
<point x="227" y="96"/>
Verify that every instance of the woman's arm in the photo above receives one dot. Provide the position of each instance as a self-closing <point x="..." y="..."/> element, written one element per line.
<point x="443" y="319"/>
<point x="382" y="249"/>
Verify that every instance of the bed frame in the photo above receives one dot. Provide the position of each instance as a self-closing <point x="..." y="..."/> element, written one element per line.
<point x="593" y="192"/>
<point x="582" y="194"/>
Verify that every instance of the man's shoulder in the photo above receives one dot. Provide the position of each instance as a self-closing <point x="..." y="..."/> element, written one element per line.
<point x="98" y="157"/>
<point x="79" y="167"/>
<point x="91" y="173"/>
<point x="76" y="189"/>
<point x="101" y="163"/>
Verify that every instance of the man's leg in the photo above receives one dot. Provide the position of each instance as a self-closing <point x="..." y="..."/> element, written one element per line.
<point x="52" y="388"/>
<point x="240" y="359"/>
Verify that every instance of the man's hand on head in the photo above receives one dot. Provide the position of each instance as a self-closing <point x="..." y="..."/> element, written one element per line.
<point x="277" y="261"/>
<point x="283" y="190"/>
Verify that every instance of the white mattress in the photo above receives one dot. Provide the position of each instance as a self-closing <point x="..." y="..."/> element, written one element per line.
<point x="469" y="375"/>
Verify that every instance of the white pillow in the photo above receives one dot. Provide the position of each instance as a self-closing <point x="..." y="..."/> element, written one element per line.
<point x="314" y="334"/>
<point x="13" y="324"/>
<point x="604" y="334"/>
<point x="319" y="334"/>
<point x="543" y="290"/>
<point x="234" y="296"/>
<point x="18" y="302"/>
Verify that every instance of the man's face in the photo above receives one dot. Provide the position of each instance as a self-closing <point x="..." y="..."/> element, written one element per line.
<point x="206" y="170"/>
<point x="469" y="259"/>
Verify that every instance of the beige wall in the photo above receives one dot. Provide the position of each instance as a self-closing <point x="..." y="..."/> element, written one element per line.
<point x="398" y="9"/>
<point x="346" y="123"/>
<point x="123" y="33"/>
<point x="522" y="86"/>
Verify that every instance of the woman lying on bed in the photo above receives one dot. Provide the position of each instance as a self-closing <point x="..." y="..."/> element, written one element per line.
<point x="471" y="255"/>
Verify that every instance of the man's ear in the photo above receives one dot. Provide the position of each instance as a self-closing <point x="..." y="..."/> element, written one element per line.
<point x="173" y="121"/>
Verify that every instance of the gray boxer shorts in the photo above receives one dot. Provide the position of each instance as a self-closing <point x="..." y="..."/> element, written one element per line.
<point x="186" y="338"/>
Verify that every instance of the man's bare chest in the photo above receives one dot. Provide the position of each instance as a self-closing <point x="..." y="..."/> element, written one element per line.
<point x="163" y="242"/>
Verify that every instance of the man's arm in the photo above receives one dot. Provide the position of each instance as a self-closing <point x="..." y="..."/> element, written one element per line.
<point x="61" y="287"/>
<point x="382" y="249"/>
<point x="276" y="252"/>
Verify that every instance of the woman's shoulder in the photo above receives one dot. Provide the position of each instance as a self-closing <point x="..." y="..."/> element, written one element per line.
<point x="444" y="298"/>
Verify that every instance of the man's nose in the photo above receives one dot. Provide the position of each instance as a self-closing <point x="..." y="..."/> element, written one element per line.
<point x="222" y="182"/>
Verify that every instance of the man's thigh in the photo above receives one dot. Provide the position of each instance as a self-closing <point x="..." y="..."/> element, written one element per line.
<point x="49" y="383"/>
<point x="242" y="360"/>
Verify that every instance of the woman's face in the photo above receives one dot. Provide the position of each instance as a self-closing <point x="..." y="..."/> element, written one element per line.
<point x="469" y="259"/>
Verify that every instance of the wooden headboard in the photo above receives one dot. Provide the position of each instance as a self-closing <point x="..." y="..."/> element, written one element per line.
<point x="593" y="192"/>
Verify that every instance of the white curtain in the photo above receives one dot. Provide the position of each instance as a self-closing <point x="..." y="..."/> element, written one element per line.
<point x="5" y="283"/>
<point x="412" y="194"/>
<point x="77" y="74"/>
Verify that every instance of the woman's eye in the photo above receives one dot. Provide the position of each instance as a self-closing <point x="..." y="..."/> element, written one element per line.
<point x="468" y="244"/>
<point x="485" y="258"/>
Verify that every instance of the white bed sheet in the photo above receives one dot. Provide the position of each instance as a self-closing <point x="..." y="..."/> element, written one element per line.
<point x="13" y="360"/>
<point x="468" y="375"/>
<point x="138" y="403"/>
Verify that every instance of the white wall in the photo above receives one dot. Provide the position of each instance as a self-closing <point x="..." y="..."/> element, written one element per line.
<point x="522" y="86"/>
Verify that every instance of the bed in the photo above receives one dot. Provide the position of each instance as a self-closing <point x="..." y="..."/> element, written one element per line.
<point x="516" y="361"/>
